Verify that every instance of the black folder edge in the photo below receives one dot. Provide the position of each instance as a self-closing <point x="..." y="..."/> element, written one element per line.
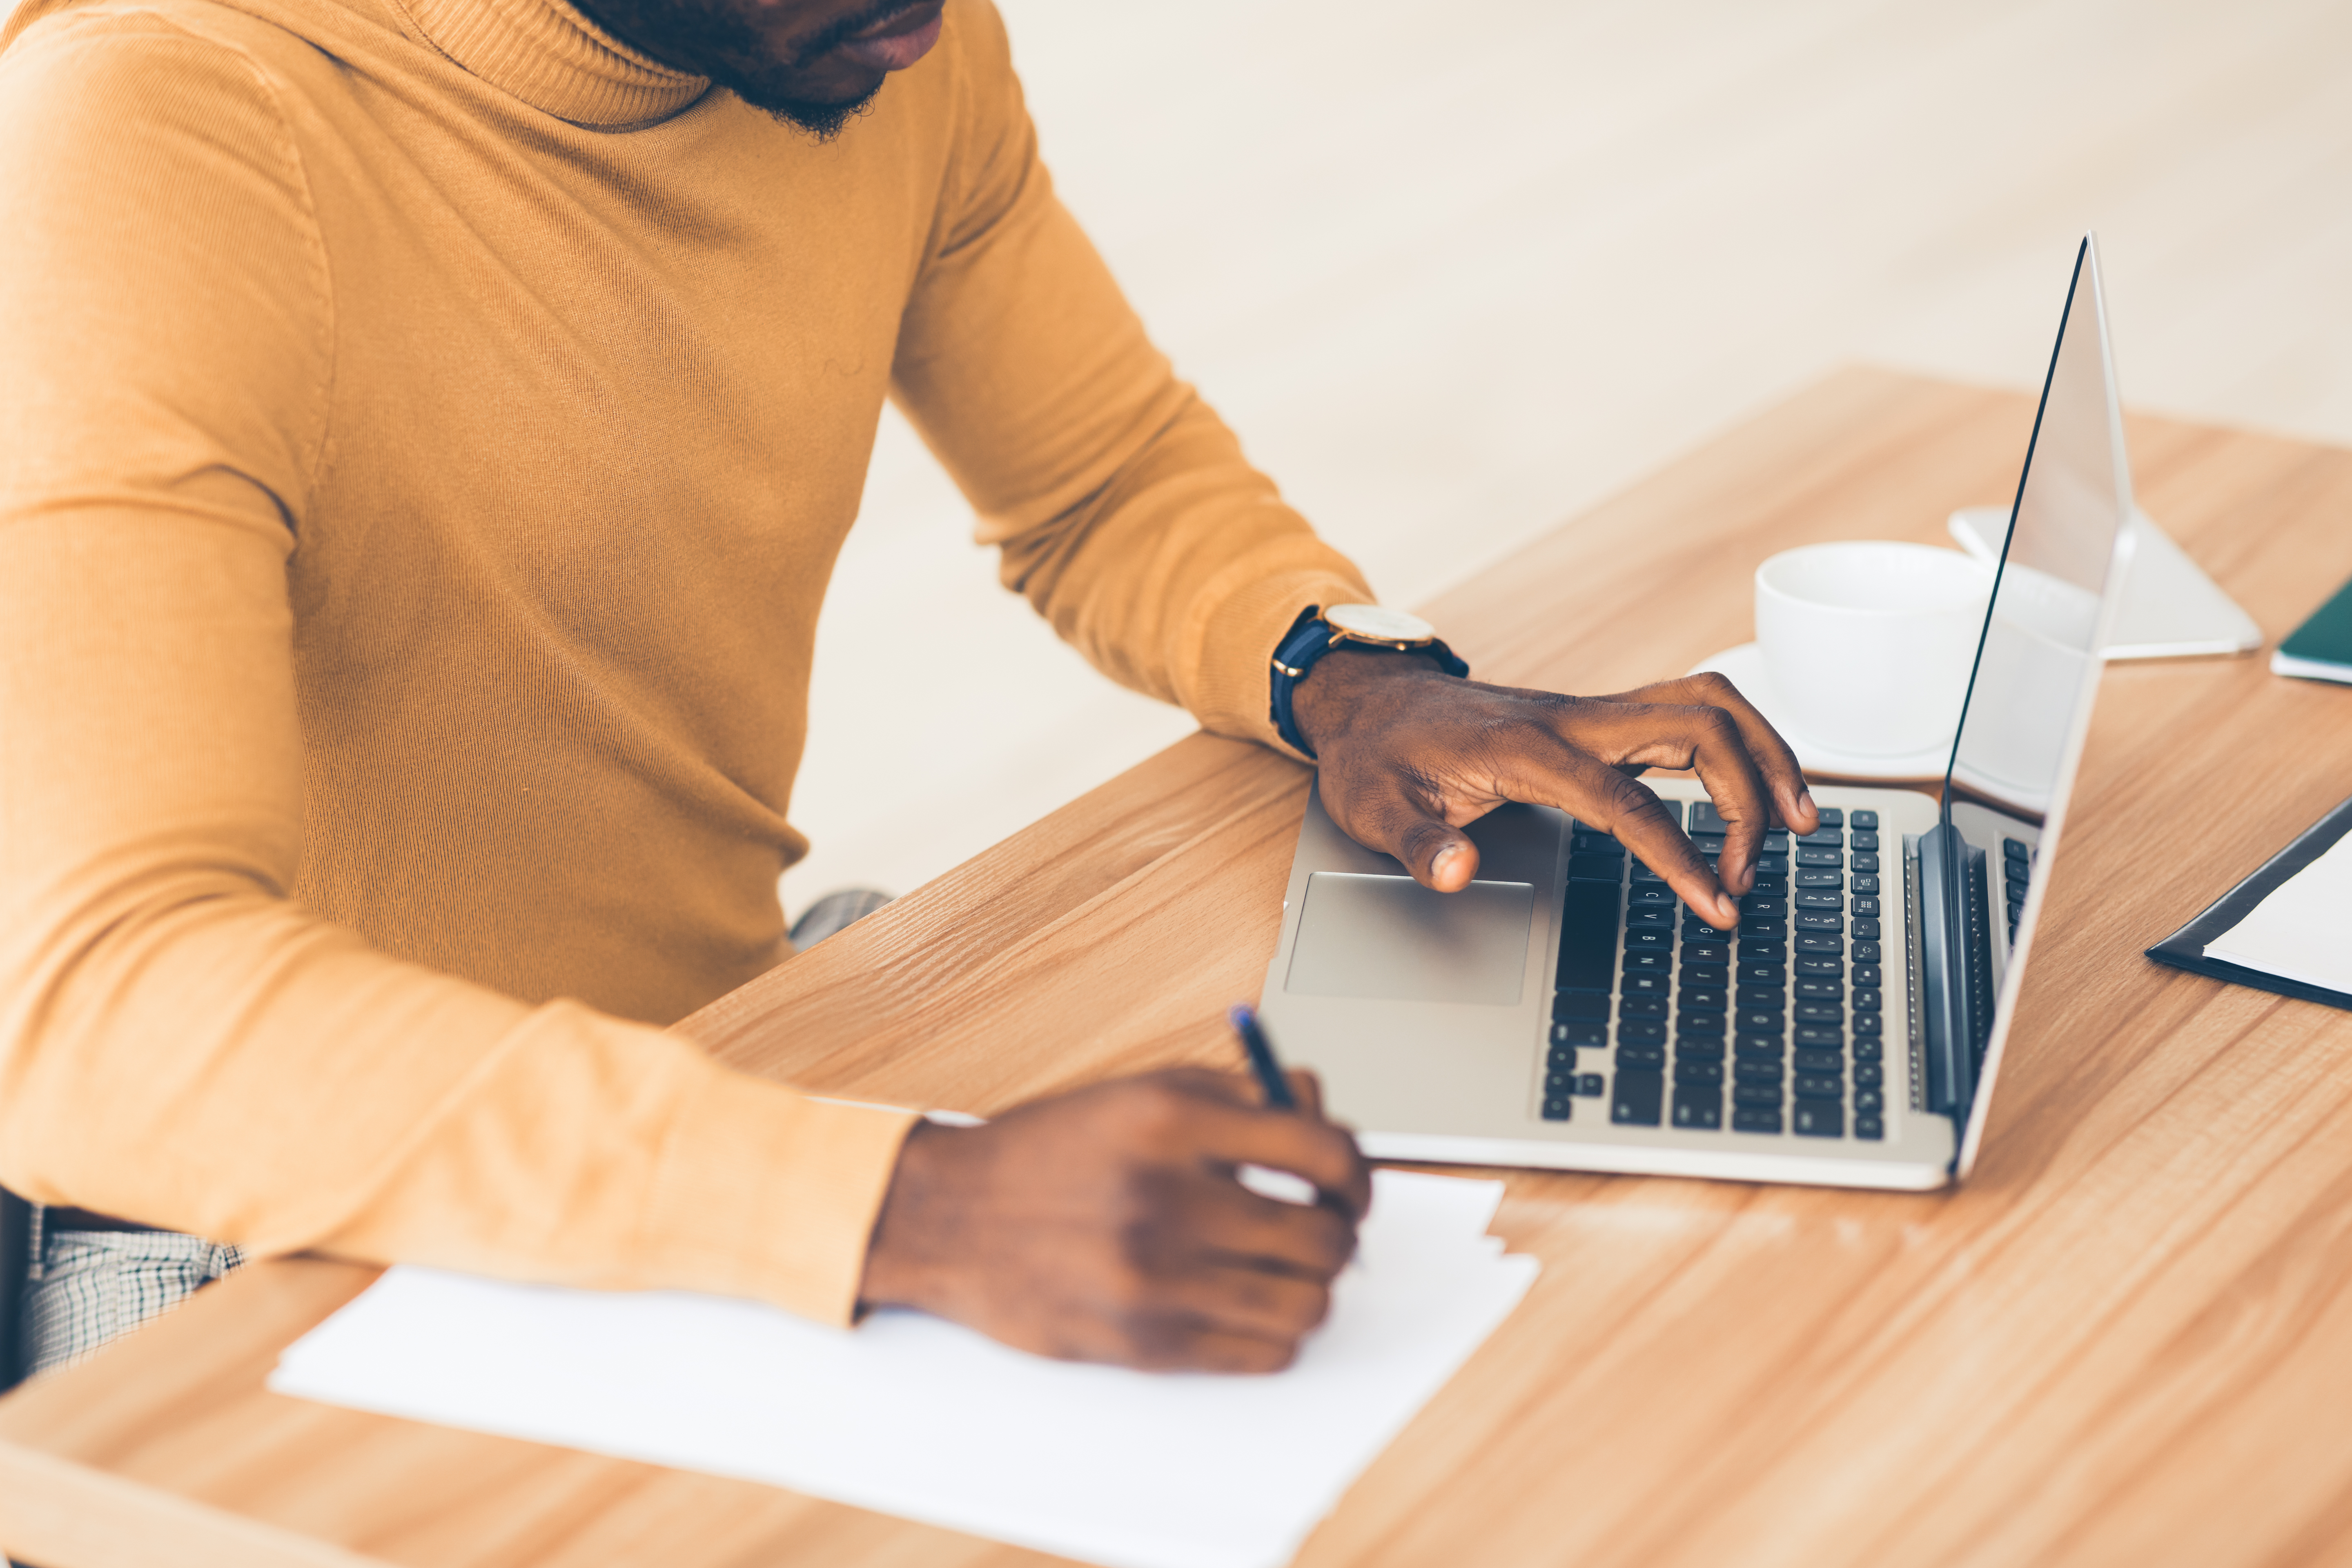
<point x="2185" y="949"/>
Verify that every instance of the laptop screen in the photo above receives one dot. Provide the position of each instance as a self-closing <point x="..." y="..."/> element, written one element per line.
<point x="2029" y="700"/>
<point x="2040" y="631"/>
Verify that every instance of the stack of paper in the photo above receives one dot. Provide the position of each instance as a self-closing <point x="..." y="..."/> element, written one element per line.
<point x="2302" y="931"/>
<point x="914" y="1416"/>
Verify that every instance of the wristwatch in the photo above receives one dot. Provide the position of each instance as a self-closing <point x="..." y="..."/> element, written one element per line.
<point x="1317" y="631"/>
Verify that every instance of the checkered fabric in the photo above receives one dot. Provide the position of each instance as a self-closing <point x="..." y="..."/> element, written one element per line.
<point x="92" y="1286"/>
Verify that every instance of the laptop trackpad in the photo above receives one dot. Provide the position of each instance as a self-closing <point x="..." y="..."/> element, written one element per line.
<point x="1390" y="939"/>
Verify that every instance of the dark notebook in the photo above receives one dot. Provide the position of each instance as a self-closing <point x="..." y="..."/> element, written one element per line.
<point x="2185" y="949"/>
<point x="2320" y="649"/>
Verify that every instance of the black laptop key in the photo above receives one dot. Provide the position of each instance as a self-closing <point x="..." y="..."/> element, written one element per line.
<point x="1812" y="990"/>
<point x="1869" y="1099"/>
<point x="1637" y="1096"/>
<point x="1640" y="1053"/>
<point x="1697" y="1048"/>
<point x="1660" y="941"/>
<point x="2015" y="850"/>
<point x="1703" y="1023"/>
<point x="1559" y="1083"/>
<point x="1827" y="835"/>
<point x="1869" y="1075"/>
<point x="1865" y="930"/>
<point x="1862" y="841"/>
<point x="1631" y="1032"/>
<point x="1581" y="1032"/>
<point x="1774" y="931"/>
<point x="1814" y="1058"/>
<point x="1649" y="916"/>
<point x="1774" y="976"/>
<point x="1819" y="899"/>
<point x="1822" y="1034"/>
<point x="1820" y="1013"/>
<point x="1569" y="1005"/>
<point x="1592" y="841"/>
<point x="1755" y="1119"/>
<point x="1865" y="907"/>
<point x="1865" y="884"/>
<point x="1704" y="1073"/>
<point x="1761" y="996"/>
<point x="1862" y="819"/>
<point x="1865" y="952"/>
<point x="1650" y="896"/>
<point x="1648" y="984"/>
<point x="1756" y="1021"/>
<point x="1818" y="1118"/>
<point x="1817" y="1086"/>
<point x="1699" y="1107"/>
<point x="1819" y="920"/>
<point x="1591" y="1085"/>
<point x="1762" y="1077"/>
<point x="1596" y="868"/>
<point x="1866" y="998"/>
<point x="1865" y="1048"/>
<point x="1588" y="936"/>
<point x="1557" y="1110"/>
<point x="1819" y="854"/>
<point x="1865" y="975"/>
<point x="1644" y="961"/>
<point x="1639" y="1008"/>
<point x="1869" y="1126"/>
<point x="1704" y="818"/>
<point x="1715" y="974"/>
<point x="1757" y="1096"/>
<point x="1772" y="864"/>
<point x="1706" y="953"/>
<point x="1864" y="861"/>
<point x="1702" y="998"/>
<point x="1831" y="815"/>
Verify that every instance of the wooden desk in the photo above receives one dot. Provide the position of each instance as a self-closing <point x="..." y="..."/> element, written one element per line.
<point x="2130" y="1340"/>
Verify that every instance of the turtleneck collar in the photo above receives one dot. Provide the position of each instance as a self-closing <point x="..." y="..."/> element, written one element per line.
<point x="555" y="60"/>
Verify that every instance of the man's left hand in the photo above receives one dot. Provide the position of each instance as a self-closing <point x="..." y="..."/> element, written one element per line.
<point x="1407" y="755"/>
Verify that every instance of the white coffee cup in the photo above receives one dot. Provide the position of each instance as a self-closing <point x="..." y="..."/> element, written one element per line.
<point x="1868" y="643"/>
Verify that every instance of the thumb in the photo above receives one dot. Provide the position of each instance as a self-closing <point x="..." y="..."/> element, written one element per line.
<point x="1439" y="855"/>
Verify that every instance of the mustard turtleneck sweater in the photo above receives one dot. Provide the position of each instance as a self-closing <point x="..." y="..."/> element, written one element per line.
<point x="427" y="427"/>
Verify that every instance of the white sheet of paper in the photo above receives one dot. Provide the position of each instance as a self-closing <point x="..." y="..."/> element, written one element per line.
<point x="2303" y="930"/>
<point x="910" y="1415"/>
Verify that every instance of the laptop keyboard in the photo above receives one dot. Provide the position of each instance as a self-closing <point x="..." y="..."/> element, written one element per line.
<point x="1770" y="1030"/>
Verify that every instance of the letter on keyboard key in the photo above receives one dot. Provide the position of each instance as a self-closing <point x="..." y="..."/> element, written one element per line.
<point x="1638" y="1097"/>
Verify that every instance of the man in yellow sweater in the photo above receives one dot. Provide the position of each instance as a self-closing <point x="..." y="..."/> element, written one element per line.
<point x="427" y="427"/>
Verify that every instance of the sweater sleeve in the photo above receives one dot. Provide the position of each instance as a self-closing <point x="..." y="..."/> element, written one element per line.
<point x="1123" y="506"/>
<point x="180" y="1043"/>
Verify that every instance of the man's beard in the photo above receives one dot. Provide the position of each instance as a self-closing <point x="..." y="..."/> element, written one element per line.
<point x="709" y="38"/>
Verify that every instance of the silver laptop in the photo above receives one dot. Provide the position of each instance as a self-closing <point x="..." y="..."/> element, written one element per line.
<point x="1565" y="1011"/>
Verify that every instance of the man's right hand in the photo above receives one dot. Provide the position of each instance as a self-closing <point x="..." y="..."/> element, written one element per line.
<point x="1109" y="1225"/>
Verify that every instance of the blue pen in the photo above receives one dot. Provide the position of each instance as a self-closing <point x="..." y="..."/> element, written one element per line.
<point x="1261" y="1056"/>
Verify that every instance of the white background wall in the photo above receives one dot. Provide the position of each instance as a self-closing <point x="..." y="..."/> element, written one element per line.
<point x="1455" y="272"/>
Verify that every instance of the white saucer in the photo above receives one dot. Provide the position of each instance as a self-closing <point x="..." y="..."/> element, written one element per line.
<point x="1744" y="666"/>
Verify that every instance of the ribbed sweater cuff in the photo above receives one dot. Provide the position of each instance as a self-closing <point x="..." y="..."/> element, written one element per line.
<point x="765" y="1192"/>
<point x="1235" y="694"/>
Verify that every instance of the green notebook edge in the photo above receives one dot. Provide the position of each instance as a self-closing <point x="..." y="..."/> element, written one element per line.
<point x="2321" y="645"/>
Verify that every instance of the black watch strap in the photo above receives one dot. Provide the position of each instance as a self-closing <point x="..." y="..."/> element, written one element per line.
<point x="1303" y="647"/>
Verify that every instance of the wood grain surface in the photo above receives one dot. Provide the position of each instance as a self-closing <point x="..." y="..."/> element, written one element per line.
<point x="2127" y="1340"/>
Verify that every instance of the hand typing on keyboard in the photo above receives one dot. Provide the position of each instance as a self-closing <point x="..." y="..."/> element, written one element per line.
<point x="1407" y="755"/>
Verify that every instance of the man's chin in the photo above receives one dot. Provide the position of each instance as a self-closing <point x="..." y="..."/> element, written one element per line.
<point x="823" y="121"/>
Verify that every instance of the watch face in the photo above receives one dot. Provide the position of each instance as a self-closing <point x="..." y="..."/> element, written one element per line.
<point x="1379" y="624"/>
